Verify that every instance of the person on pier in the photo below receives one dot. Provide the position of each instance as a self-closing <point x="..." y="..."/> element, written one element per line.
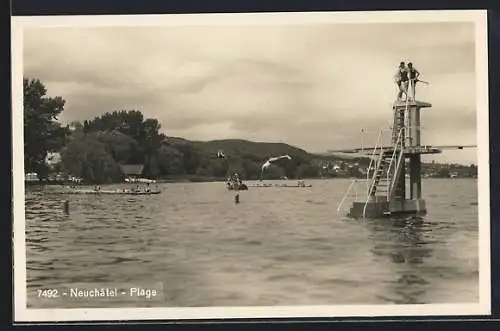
<point x="401" y="80"/>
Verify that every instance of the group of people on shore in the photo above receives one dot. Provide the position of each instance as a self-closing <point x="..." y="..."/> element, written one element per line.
<point x="405" y="78"/>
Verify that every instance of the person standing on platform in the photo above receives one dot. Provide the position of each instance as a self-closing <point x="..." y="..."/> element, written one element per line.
<point x="401" y="80"/>
<point x="413" y="76"/>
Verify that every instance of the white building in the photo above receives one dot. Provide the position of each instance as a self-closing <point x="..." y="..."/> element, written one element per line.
<point x="31" y="177"/>
<point x="52" y="158"/>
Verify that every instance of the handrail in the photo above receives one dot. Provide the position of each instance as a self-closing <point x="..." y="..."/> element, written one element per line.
<point x="393" y="182"/>
<point x="372" y="159"/>
<point x="373" y="154"/>
<point x="396" y="145"/>
<point x="372" y="185"/>
<point x="339" y="207"/>
<point x="410" y="96"/>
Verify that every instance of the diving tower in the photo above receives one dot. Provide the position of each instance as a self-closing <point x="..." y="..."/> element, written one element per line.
<point x="387" y="190"/>
<point x="387" y="193"/>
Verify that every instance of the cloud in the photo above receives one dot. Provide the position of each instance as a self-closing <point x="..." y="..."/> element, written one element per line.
<point x="314" y="86"/>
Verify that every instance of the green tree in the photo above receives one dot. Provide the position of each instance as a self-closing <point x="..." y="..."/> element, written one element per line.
<point x="151" y="143"/>
<point x="131" y="123"/>
<point x="122" y="148"/>
<point x="306" y="170"/>
<point x="42" y="132"/>
<point x="153" y="168"/>
<point x="191" y="156"/>
<point x="170" y="160"/>
<point x="86" y="156"/>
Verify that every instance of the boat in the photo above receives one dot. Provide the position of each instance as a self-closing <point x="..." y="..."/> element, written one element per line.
<point x="234" y="183"/>
<point x="235" y="186"/>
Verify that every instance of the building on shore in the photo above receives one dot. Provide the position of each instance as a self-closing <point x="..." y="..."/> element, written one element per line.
<point x="52" y="159"/>
<point x="133" y="173"/>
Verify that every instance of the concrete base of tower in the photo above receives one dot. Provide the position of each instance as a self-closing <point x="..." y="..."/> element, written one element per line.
<point x="413" y="206"/>
<point x="383" y="208"/>
<point x="372" y="209"/>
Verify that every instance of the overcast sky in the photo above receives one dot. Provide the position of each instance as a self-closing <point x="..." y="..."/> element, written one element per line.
<point x="312" y="86"/>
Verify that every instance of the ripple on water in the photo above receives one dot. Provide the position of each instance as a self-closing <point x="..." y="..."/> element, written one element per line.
<point x="277" y="247"/>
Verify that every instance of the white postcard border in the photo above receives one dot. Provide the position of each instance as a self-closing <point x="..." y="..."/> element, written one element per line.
<point x="483" y="307"/>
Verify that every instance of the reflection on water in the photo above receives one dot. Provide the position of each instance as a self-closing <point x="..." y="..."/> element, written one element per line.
<point x="279" y="246"/>
<point x="409" y="243"/>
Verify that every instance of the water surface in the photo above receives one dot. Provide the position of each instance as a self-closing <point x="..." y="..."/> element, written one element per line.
<point x="278" y="246"/>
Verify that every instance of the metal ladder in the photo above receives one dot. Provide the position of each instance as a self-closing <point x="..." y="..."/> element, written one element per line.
<point x="387" y="167"/>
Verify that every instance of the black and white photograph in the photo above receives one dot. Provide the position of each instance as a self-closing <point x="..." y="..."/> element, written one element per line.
<point x="251" y="165"/>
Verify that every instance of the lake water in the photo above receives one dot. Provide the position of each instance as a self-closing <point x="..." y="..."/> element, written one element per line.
<point x="278" y="246"/>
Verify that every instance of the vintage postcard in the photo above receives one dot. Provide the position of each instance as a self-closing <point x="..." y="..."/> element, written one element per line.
<point x="251" y="166"/>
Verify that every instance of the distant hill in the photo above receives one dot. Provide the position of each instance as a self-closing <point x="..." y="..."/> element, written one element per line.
<point x="240" y="148"/>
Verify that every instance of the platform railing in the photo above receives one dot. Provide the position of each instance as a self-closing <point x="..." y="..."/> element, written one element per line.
<point x="373" y="160"/>
<point x="351" y="186"/>
<point x="373" y="179"/>
<point x="398" y="146"/>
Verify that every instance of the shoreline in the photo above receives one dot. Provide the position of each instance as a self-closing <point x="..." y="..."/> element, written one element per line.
<point x="201" y="180"/>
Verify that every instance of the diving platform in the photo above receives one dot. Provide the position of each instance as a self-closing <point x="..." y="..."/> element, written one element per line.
<point x="390" y="149"/>
<point x="402" y="104"/>
<point x="387" y="194"/>
<point x="387" y="190"/>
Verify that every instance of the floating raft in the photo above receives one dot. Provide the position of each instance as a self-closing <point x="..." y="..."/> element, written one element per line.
<point x="285" y="185"/>
<point x="241" y="187"/>
<point x="282" y="185"/>
<point x="115" y="192"/>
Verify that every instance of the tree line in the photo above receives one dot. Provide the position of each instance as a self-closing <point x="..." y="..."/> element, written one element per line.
<point x="94" y="149"/>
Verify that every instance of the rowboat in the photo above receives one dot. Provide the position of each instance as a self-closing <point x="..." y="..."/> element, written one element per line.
<point x="234" y="183"/>
<point x="232" y="186"/>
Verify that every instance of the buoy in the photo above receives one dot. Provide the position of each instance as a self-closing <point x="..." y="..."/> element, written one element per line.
<point x="66" y="207"/>
<point x="237" y="198"/>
